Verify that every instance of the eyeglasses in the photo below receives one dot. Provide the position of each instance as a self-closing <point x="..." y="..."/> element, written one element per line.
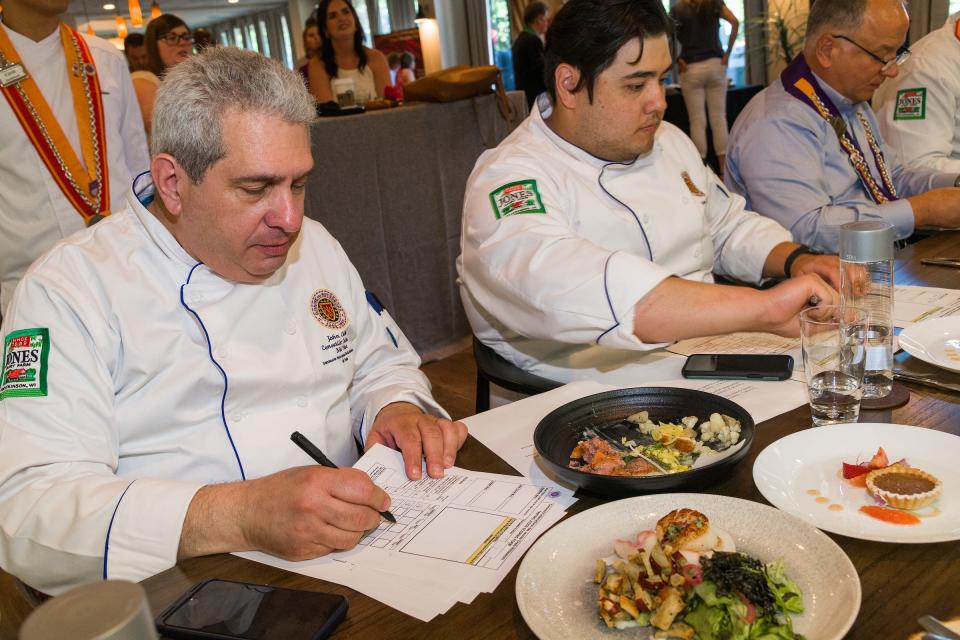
<point x="901" y="56"/>
<point x="176" y="38"/>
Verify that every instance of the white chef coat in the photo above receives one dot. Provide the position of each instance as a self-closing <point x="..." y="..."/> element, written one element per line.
<point x="145" y="343"/>
<point x="554" y="292"/>
<point x="919" y="110"/>
<point x="34" y="213"/>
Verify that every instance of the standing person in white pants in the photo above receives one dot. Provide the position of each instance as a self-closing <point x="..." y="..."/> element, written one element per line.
<point x="703" y="69"/>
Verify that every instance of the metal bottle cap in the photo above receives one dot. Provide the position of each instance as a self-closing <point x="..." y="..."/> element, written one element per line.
<point x="106" y="610"/>
<point x="868" y="241"/>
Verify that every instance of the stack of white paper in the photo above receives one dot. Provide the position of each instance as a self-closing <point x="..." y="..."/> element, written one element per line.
<point x="455" y="537"/>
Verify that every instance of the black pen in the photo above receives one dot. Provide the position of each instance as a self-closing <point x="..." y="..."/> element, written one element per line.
<point x="311" y="450"/>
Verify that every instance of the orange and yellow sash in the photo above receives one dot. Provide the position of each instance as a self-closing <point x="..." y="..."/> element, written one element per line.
<point x="86" y="185"/>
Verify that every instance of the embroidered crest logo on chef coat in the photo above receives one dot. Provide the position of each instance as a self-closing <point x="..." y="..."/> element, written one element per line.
<point x="911" y="104"/>
<point x="25" y="363"/>
<point x="327" y="309"/>
<point x="515" y="198"/>
<point x="687" y="180"/>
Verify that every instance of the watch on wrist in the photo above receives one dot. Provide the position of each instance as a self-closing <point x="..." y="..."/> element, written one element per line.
<point x="796" y="253"/>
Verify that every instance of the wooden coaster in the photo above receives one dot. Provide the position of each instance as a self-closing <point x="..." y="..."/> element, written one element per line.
<point x="899" y="395"/>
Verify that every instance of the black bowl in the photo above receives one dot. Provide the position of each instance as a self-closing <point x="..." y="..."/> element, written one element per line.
<point x="561" y="429"/>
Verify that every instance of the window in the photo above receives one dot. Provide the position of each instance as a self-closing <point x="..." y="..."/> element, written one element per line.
<point x="383" y="12"/>
<point x="363" y="14"/>
<point x="264" y="38"/>
<point x="954" y="6"/>
<point x="238" y="37"/>
<point x="224" y="38"/>
<point x="252" y="40"/>
<point x="737" y="65"/>
<point x="287" y="44"/>
<point x="500" y="43"/>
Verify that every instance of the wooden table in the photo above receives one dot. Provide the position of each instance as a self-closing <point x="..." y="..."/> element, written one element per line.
<point x="900" y="582"/>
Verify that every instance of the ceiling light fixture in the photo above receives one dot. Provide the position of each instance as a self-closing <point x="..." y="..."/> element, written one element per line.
<point x="155" y="11"/>
<point x="136" y="16"/>
<point x="233" y="1"/>
<point x="109" y="7"/>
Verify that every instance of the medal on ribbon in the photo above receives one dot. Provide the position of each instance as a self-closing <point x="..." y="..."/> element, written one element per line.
<point x="798" y="80"/>
<point x="84" y="183"/>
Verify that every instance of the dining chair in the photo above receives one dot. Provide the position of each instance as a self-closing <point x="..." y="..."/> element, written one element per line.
<point x="491" y="367"/>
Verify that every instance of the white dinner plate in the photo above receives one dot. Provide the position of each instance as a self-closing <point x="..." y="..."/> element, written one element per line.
<point x="558" y="599"/>
<point x="936" y="341"/>
<point x="788" y="471"/>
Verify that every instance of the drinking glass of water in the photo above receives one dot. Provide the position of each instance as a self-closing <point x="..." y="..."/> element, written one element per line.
<point x="834" y="356"/>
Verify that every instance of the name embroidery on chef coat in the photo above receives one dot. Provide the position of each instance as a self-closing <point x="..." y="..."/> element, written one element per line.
<point x="328" y="311"/>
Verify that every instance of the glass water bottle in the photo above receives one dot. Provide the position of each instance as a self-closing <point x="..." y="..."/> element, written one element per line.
<point x="866" y="281"/>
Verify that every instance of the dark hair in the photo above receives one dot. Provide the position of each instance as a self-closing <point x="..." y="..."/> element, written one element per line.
<point x="311" y="22"/>
<point x="407" y="61"/>
<point x="587" y="34"/>
<point x="156" y="30"/>
<point x="533" y="11"/>
<point x="202" y="39"/>
<point x="133" y="40"/>
<point x="329" y="59"/>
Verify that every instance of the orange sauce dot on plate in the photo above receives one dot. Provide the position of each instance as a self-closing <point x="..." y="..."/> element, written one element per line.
<point x="821" y="499"/>
<point x="893" y="516"/>
<point x="812" y="492"/>
<point x="835" y="507"/>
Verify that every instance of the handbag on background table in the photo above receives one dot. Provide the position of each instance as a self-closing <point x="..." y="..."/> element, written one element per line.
<point x="458" y="83"/>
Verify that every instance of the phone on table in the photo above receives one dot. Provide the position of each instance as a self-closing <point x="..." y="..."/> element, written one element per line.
<point x="225" y="610"/>
<point x="735" y="366"/>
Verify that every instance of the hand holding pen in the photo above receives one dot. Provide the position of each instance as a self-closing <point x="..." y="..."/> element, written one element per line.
<point x="311" y="450"/>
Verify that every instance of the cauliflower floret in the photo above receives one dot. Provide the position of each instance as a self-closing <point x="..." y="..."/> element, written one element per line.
<point x="720" y="431"/>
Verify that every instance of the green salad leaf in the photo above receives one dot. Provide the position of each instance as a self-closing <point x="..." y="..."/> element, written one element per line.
<point x="717" y="616"/>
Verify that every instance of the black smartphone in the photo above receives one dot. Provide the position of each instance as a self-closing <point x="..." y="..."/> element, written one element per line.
<point x="734" y="366"/>
<point x="238" y="610"/>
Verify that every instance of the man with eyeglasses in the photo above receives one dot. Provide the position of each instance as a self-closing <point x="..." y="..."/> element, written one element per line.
<point x="71" y="136"/>
<point x="918" y="109"/>
<point x="808" y="152"/>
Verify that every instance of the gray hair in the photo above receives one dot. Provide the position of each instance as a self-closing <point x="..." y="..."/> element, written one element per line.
<point x="194" y="95"/>
<point x="844" y="15"/>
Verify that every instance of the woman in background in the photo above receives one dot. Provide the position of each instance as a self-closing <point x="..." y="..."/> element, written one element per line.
<point x="169" y="42"/>
<point x="311" y="48"/>
<point x="342" y="55"/>
<point x="703" y="69"/>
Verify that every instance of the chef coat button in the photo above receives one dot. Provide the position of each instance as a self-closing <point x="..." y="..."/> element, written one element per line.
<point x="220" y="352"/>
<point x="646" y="219"/>
<point x="291" y="328"/>
<point x="236" y="417"/>
<point x="301" y="401"/>
<point x="685" y="200"/>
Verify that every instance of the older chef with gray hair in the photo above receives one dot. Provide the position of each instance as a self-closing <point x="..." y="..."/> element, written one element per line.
<point x="156" y="364"/>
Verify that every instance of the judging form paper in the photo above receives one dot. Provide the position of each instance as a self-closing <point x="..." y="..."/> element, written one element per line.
<point x="455" y="536"/>
<point x="913" y="304"/>
<point x="468" y="526"/>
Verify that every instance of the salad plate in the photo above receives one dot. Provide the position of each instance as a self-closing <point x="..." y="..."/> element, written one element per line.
<point x="558" y="598"/>
<point x="802" y="475"/>
<point x="559" y="431"/>
<point x="936" y="341"/>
